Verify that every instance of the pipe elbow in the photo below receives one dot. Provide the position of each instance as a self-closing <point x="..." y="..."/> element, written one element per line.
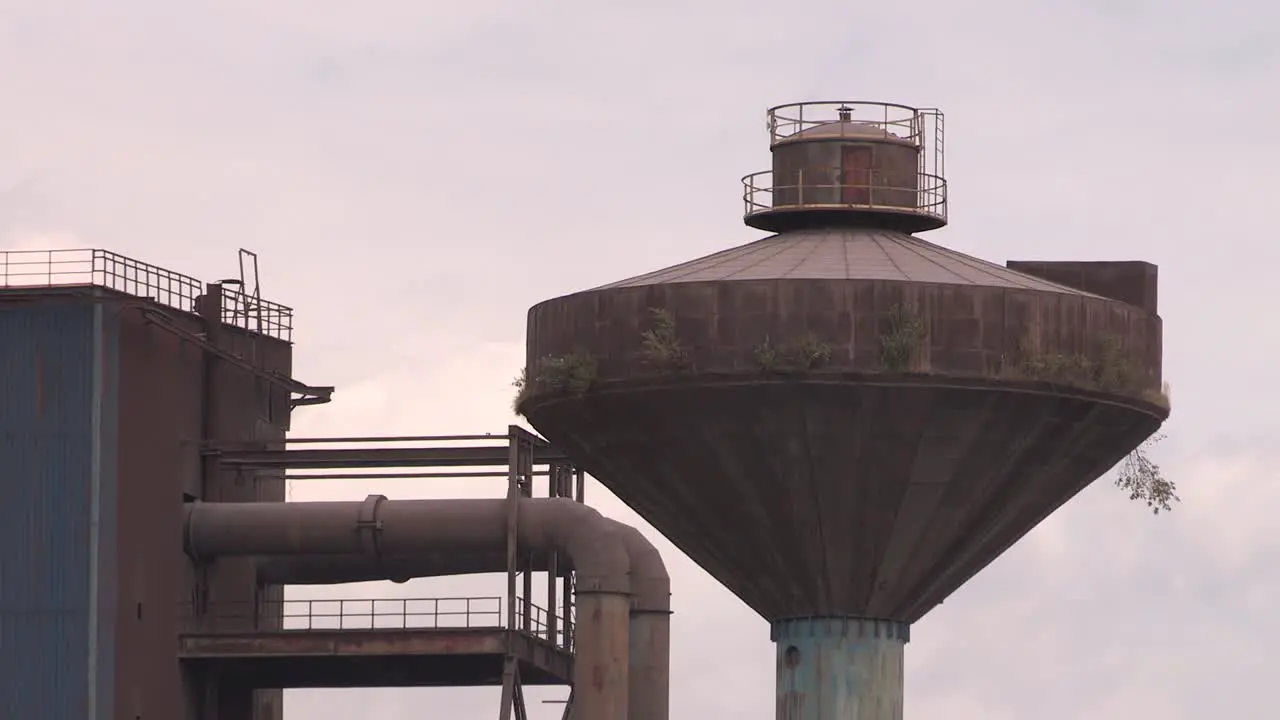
<point x="591" y="541"/>
<point x="650" y="582"/>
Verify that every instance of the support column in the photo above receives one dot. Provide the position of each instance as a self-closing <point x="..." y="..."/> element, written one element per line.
<point x="840" y="668"/>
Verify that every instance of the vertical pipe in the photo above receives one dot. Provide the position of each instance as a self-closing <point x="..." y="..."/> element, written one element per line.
<point x="526" y="491"/>
<point x="602" y="656"/>
<point x="840" y="668"/>
<point x="554" y="486"/>
<point x="650" y="659"/>
<point x="523" y="476"/>
<point x="513" y="502"/>
<point x="210" y="308"/>
<point x="567" y="594"/>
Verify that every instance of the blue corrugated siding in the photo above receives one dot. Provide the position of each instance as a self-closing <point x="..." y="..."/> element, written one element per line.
<point x="47" y="357"/>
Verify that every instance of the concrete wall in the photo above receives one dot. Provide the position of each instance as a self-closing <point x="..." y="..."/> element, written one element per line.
<point x="968" y="330"/>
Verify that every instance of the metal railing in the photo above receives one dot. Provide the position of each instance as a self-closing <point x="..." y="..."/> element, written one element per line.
<point x="443" y="613"/>
<point x="899" y="121"/>
<point x="256" y="315"/>
<point x="105" y="269"/>
<point x="101" y="268"/>
<point x="760" y="195"/>
<point x="858" y="120"/>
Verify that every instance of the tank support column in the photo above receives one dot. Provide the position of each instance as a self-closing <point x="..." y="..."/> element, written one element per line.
<point x="838" y="668"/>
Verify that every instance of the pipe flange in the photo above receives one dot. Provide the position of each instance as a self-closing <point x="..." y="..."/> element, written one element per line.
<point x="192" y="551"/>
<point x="369" y="526"/>
<point x="602" y="585"/>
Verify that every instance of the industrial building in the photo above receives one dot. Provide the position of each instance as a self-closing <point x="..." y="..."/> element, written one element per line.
<point x="842" y="422"/>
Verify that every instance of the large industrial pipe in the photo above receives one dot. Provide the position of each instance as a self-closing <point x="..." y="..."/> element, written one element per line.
<point x="396" y="528"/>
<point x="342" y="569"/>
<point x="649" y="635"/>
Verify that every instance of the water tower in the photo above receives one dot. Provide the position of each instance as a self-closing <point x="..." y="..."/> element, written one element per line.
<point x="843" y="422"/>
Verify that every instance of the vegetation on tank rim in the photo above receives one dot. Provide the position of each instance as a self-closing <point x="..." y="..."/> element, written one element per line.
<point x="1142" y="478"/>
<point x="659" y="345"/>
<point x="809" y="353"/>
<point x="574" y="374"/>
<point x="1109" y="370"/>
<point x="898" y="346"/>
<point x="1162" y="397"/>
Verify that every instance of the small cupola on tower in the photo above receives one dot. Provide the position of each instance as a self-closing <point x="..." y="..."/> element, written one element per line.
<point x="850" y="164"/>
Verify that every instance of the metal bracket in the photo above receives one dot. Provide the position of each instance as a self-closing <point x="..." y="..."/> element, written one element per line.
<point x="309" y="395"/>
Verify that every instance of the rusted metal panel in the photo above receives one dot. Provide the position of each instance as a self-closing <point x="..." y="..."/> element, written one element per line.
<point x="158" y="384"/>
<point x="162" y="433"/>
<point x="47" y="396"/>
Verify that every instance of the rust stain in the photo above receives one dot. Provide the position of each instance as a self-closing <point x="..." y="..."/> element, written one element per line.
<point x="597" y="677"/>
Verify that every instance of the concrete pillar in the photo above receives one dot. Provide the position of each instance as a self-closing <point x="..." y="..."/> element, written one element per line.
<point x="840" y="668"/>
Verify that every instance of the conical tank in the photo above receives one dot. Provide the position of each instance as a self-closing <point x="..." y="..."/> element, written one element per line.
<point x="844" y="422"/>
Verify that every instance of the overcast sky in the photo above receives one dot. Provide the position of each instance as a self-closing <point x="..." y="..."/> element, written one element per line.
<point x="416" y="174"/>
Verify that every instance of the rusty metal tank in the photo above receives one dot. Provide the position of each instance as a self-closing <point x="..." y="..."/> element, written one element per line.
<point x="878" y="161"/>
<point x="844" y="422"/>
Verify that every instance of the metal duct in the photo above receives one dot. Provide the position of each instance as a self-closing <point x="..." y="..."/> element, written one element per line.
<point x="342" y="569"/>
<point x="649" y="634"/>
<point x="601" y="551"/>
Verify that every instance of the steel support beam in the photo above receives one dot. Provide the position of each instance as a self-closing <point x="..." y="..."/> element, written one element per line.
<point x="339" y="458"/>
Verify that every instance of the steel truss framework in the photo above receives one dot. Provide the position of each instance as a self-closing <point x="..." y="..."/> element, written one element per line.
<point x="526" y="457"/>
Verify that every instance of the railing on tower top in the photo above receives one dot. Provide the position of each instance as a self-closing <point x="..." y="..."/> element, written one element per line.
<point x="105" y="269"/>
<point x="901" y="121"/>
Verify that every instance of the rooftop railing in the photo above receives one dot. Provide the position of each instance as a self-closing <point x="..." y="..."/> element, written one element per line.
<point x="105" y="269"/>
